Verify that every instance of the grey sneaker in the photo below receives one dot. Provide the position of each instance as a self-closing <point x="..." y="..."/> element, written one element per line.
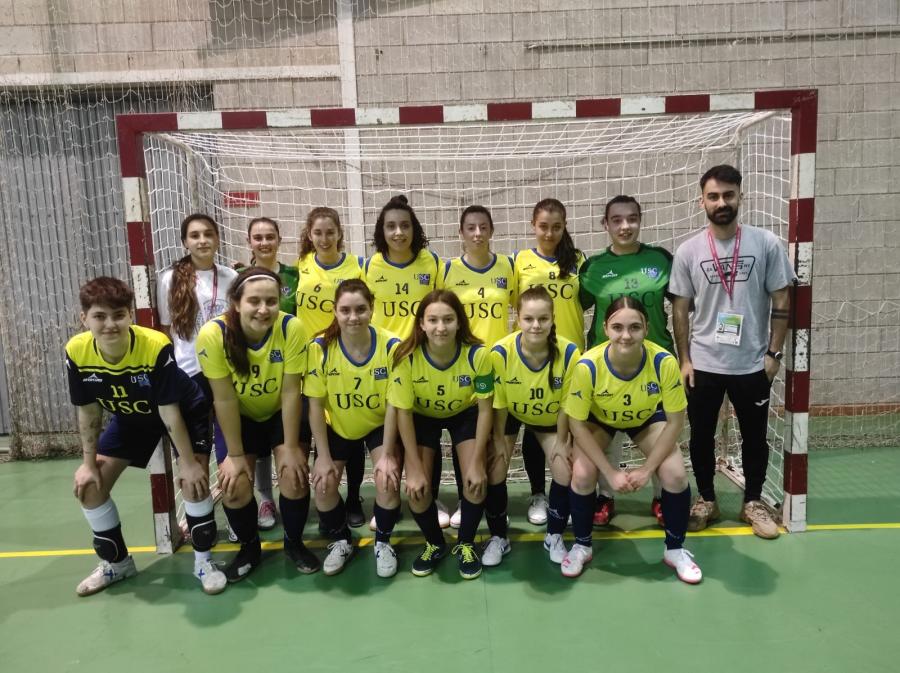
<point x="555" y="546"/>
<point x="385" y="560"/>
<point x="494" y="551"/>
<point x="106" y="573"/>
<point x="702" y="513"/>
<point x="340" y="552"/>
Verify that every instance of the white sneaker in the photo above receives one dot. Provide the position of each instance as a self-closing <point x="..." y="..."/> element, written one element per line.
<point x="683" y="562"/>
<point x="573" y="563"/>
<point x="555" y="546"/>
<point x="537" y="509"/>
<point x="104" y="574"/>
<point x="210" y="575"/>
<point x="339" y="553"/>
<point x="385" y="559"/>
<point x="265" y="516"/>
<point x="456" y="519"/>
<point x="443" y="515"/>
<point x="494" y="551"/>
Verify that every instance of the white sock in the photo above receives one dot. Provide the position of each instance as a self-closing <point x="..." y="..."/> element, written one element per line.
<point x="103" y="517"/>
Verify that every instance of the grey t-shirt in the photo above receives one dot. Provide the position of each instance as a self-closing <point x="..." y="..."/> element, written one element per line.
<point x="762" y="268"/>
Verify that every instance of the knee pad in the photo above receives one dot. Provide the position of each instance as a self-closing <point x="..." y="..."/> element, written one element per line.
<point x="203" y="532"/>
<point x="106" y="548"/>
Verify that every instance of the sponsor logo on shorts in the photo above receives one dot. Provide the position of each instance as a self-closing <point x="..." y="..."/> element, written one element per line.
<point x="275" y="356"/>
<point x="93" y="378"/>
<point x="380" y="373"/>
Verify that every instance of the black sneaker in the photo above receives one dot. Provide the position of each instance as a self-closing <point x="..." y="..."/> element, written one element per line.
<point x="355" y="515"/>
<point x="248" y="557"/>
<point x="427" y="561"/>
<point x="469" y="563"/>
<point x="305" y="561"/>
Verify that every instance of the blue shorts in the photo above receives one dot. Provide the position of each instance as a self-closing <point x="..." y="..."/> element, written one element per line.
<point x="136" y="442"/>
<point x="659" y="416"/>
<point x="342" y="448"/>
<point x="513" y="424"/>
<point x="461" y="427"/>
<point x="258" y="437"/>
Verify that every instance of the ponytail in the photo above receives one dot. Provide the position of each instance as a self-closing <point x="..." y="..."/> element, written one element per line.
<point x="552" y="352"/>
<point x="183" y="304"/>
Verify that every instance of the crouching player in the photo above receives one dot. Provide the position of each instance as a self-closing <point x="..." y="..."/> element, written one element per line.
<point x="348" y="371"/>
<point x="630" y="385"/>
<point x="254" y="357"/>
<point x="529" y="373"/>
<point x="130" y="371"/>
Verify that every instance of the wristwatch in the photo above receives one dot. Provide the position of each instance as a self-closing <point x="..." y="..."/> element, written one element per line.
<point x="776" y="355"/>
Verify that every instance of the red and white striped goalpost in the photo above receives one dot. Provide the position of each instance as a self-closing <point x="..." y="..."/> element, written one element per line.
<point x="802" y="105"/>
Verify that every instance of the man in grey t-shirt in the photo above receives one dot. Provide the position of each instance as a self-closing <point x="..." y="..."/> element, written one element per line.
<point x="736" y="279"/>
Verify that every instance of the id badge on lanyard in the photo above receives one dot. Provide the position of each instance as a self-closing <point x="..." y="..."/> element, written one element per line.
<point x="729" y="326"/>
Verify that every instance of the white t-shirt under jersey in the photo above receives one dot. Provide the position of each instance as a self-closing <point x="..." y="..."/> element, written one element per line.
<point x="210" y="307"/>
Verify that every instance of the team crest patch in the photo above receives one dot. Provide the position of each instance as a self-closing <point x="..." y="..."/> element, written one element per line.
<point x="285" y="291"/>
<point x="653" y="388"/>
<point x="464" y="380"/>
<point x="380" y="373"/>
<point x="143" y="380"/>
<point x="651" y="272"/>
<point x="276" y="356"/>
<point x="424" y="278"/>
<point x="501" y="283"/>
<point x="557" y="383"/>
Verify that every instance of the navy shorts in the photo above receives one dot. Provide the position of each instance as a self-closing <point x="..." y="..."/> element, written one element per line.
<point x="461" y="427"/>
<point x="659" y="416"/>
<point x="218" y="438"/>
<point x="258" y="437"/>
<point x="136" y="443"/>
<point x="342" y="448"/>
<point x="513" y="424"/>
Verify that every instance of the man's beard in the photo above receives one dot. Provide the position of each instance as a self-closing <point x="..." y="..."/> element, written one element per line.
<point x="723" y="217"/>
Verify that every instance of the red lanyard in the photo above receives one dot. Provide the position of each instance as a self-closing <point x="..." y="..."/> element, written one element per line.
<point x="729" y="288"/>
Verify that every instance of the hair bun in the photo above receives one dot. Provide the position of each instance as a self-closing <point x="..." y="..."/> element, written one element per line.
<point x="401" y="198"/>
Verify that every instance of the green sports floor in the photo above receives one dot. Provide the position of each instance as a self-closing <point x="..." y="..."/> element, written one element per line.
<point x="825" y="600"/>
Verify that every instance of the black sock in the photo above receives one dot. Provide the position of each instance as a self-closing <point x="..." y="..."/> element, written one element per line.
<point x="495" y="503"/>
<point x="457" y="473"/>
<point x="558" y="508"/>
<point x="471" y="517"/>
<point x="436" y="473"/>
<point x="428" y="524"/>
<point x="293" y="516"/>
<point x="334" y="521"/>
<point x="533" y="457"/>
<point x="385" y="520"/>
<point x="676" y="508"/>
<point x="110" y="545"/>
<point x="582" y="508"/>
<point x="243" y="521"/>
<point x="356" y="465"/>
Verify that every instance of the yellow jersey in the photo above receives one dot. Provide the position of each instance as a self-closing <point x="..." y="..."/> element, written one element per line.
<point x="398" y="289"/>
<point x="440" y="392"/>
<point x="526" y="393"/>
<point x="315" y="289"/>
<point x="354" y="393"/>
<point x="596" y="388"/>
<point x="282" y="351"/>
<point x="533" y="269"/>
<point x="485" y="294"/>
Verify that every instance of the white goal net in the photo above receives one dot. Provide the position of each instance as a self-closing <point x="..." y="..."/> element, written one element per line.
<point x="284" y="172"/>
